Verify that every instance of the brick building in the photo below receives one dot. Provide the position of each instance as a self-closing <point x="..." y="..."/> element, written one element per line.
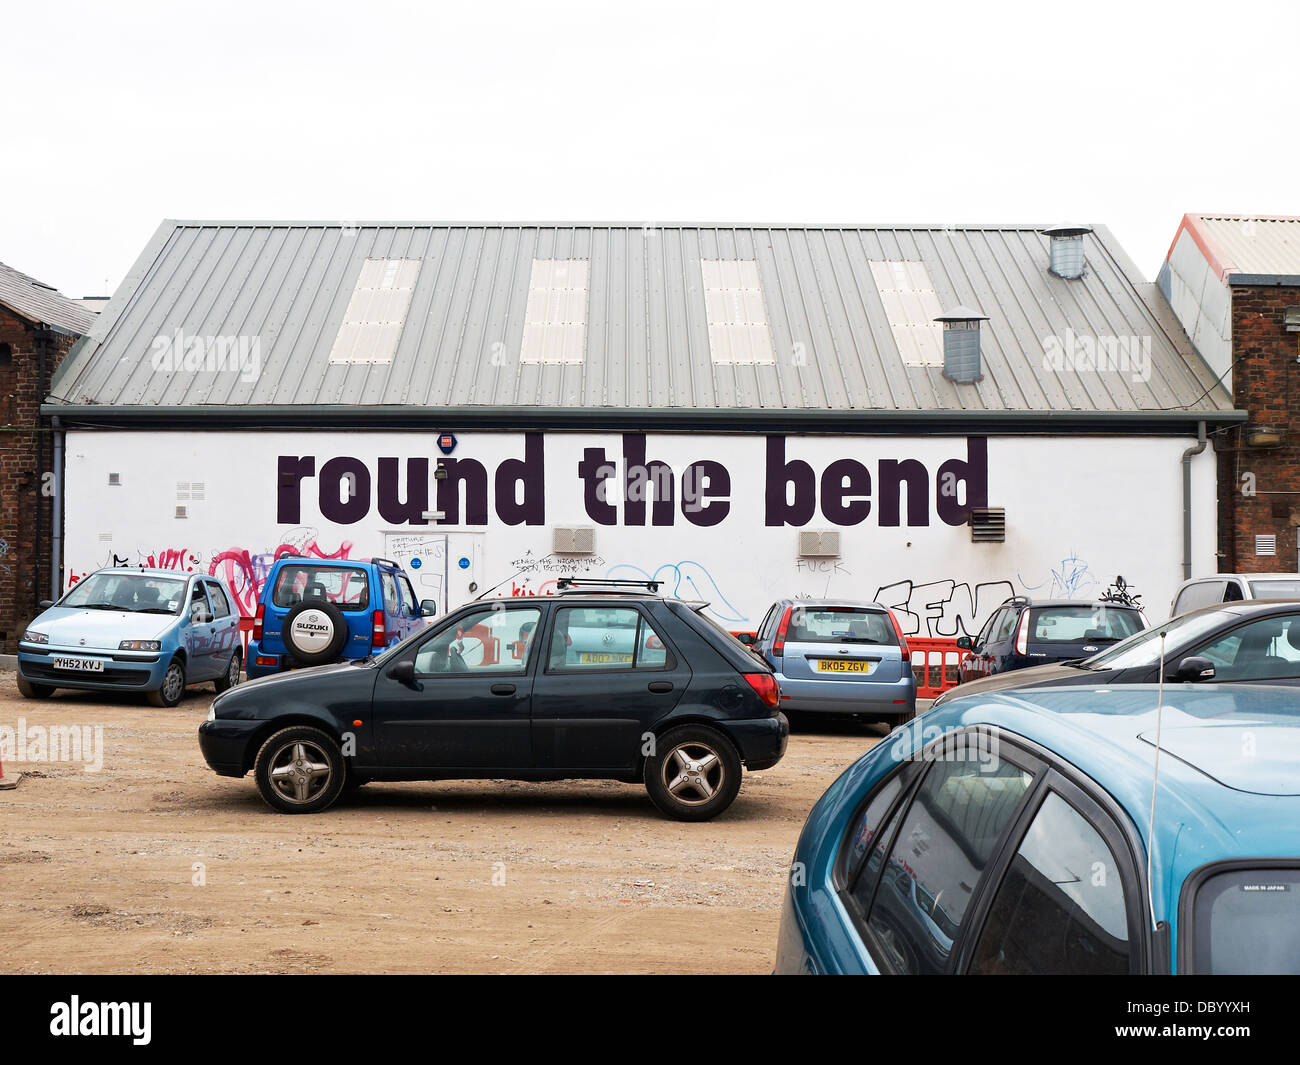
<point x="1234" y="282"/>
<point x="37" y="326"/>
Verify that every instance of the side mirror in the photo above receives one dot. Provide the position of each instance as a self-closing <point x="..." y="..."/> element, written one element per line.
<point x="428" y="608"/>
<point x="403" y="672"/>
<point x="965" y="643"/>
<point x="1195" y="668"/>
<point x="45" y="604"/>
<point x="747" y="638"/>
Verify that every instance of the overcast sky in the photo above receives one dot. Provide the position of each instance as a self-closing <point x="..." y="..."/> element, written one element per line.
<point x="120" y="115"/>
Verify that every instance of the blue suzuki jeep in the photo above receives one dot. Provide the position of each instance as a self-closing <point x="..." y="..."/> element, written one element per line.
<point x="314" y="611"/>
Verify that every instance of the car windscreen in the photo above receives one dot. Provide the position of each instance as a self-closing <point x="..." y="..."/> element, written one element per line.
<point x="1271" y="589"/>
<point x="138" y="593"/>
<point x="344" y="586"/>
<point x="1143" y="648"/>
<point x="811" y="624"/>
<point x="1083" y="624"/>
<point x="1248" y="921"/>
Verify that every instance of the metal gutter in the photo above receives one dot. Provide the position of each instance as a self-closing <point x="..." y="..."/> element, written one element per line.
<point x="1159" y="422"/>
<point x="1186" y="461"/>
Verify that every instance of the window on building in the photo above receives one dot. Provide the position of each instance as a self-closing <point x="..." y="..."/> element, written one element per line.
<point x="555" y="323"/>
<point x="6" y="356"/>
<point x="372" y="324"/>
<point x="733" y="300"/>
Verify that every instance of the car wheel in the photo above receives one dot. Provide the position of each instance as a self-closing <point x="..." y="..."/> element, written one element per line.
<point x="300" y="770"/>
<point x="352" y="782"/>
<point x="694" y="773"/>
<point x="315" y="632"/>
<point x="231" y="677"/>
<point x="28" y="690"/>
<point x="903" y="718"/>
<point x="171" y="690"/>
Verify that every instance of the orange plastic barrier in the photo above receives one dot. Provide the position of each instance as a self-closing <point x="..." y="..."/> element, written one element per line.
<point x="934" y="661"/>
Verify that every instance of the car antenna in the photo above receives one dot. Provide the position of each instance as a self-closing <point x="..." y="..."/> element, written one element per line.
<point x="496" y="586"/>
<point x="1155" y="776"/>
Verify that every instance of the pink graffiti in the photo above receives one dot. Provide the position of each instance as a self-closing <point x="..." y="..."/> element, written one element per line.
<point x="545" y="588"/>
<point x="171" y="558"/>
<point x="245" y="574"/>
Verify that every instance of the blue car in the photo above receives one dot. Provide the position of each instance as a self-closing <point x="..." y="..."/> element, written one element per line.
<point x="1009" y="833"/>
<point x="147" y="630"/>
<point x="833" y="656"/>
<point x="315" y="611"/>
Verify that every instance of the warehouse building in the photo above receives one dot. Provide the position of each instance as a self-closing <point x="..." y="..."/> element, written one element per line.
<point x="934" y="418"/>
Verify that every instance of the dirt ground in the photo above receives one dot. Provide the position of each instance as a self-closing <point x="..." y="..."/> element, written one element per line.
<point x="155" y="864"/>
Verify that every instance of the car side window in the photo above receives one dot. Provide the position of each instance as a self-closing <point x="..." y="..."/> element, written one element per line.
<point x="1269" y="647"/>
<point x="1006" y="624"/>
<point x="1200" y="594"/>
<point x="485" y="642"/>
<point x="1062" y="906"/>
<point x="408" y="595"/>
<point x="987" y="631"/>
<point x="392" y="603"/>
<point x="763" y="626"/>
<point x="220" y="604"/>
<point x="603" y="639"/>
<point x="947" y="836"/>
<point x="199" y="606"/>
<point x="1233" y="593"/>
<point x="867" y="834"/>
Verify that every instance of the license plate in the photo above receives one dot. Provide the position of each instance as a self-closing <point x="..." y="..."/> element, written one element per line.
<point x="604" y="658"/>
<point x="843" y="665"/>
<point x="81" y="665"/>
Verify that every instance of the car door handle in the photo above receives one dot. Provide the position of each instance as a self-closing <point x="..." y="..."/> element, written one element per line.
<point x="503" y="689"/>
<point x="660" y="686"/>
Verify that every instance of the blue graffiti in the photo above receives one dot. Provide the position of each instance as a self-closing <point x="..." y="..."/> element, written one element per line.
<point x="1070" y="579"/>
<point x="694" y="577"/>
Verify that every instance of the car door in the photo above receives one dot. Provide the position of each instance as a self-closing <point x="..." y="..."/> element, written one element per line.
<point x="470" y="702"/>
<point x="225" y="627"/>
<point x="607" y="676"/>
<point x="985" y="654"/>
<point x="413" y="617"/>
<point x="197" y="626"/>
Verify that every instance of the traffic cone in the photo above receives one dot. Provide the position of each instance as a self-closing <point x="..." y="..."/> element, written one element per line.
<point x="8" y="783"/>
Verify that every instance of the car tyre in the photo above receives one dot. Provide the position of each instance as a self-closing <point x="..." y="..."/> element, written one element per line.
<point x="231" y="676"/>
<point x="28" y="690"/>
<point x="172" y="689"/>
<point x="338" y="638"/>
<point x="694" y="773"/>
<point x="300" y="770"/>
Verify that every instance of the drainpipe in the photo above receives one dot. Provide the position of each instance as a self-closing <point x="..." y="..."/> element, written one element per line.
<point x="1188" y="455"/>
<point x="56" y="519"/>
<point x="40" y="336"/>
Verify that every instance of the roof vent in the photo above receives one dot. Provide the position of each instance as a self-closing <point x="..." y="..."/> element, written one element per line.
<point x="1066" y="249"/>
<point x="988" y="525"/>
<point x="961" y="345"/>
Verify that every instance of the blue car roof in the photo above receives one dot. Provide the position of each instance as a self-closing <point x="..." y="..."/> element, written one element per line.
<point x="1229" y="768"/>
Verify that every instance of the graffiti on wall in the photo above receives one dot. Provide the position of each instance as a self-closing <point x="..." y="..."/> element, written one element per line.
<point x="245" y="571"/>
<point x="945" y="607"/>
<point x="1070" y="579"/>
<point x="683" y="580"/>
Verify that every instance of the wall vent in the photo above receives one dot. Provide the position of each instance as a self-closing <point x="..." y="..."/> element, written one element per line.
<point x="961" y="345"/>
<point x="815" y="543"/>
<point x="574" y="541"/>
<point x="1265" y="545"/>
<point x="181" y="512"/>
<point x="988" y="525"/>
<point x="114" y="479"/>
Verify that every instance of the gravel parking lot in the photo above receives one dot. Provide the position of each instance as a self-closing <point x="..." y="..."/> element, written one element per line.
<point x="154" y="864"/>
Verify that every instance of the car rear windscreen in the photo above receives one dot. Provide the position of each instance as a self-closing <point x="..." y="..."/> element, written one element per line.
<point x="344" y="586"/>
<point x="1083" y="624"/>
<point x="1248" y="921"/>
<point x="839" y="625"/>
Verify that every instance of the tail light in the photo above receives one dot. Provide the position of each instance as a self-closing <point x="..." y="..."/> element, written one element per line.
<point x="257" y="621"/>
<point x="378" y="634"/>
<point x="778" y="645"/>
<point x="1022" y="635"/>
<point x="902" y="640"/>
<point x="765" y="685"/>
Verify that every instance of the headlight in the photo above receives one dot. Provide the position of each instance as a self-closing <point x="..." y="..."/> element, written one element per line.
<point x="31" y="636"/>
<point x="212" y="713"/>
<point x="139" y="645"/>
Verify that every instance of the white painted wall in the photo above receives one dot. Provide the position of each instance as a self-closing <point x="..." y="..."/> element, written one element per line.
<point x="1079" y="511"/>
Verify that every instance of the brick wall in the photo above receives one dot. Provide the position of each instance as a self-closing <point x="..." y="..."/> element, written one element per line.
<point x="23" y="570"/>
<point x="1266" y="382"/>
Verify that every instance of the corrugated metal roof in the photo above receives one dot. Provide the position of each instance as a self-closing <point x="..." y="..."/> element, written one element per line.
<point x="40" y="303"/>
<point x="1261" y="247"/>
<point x="288" y="285"/>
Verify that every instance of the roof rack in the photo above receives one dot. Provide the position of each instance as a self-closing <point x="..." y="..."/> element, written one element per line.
<point x="565" y="584"/>
<point x="387" y="562"/>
